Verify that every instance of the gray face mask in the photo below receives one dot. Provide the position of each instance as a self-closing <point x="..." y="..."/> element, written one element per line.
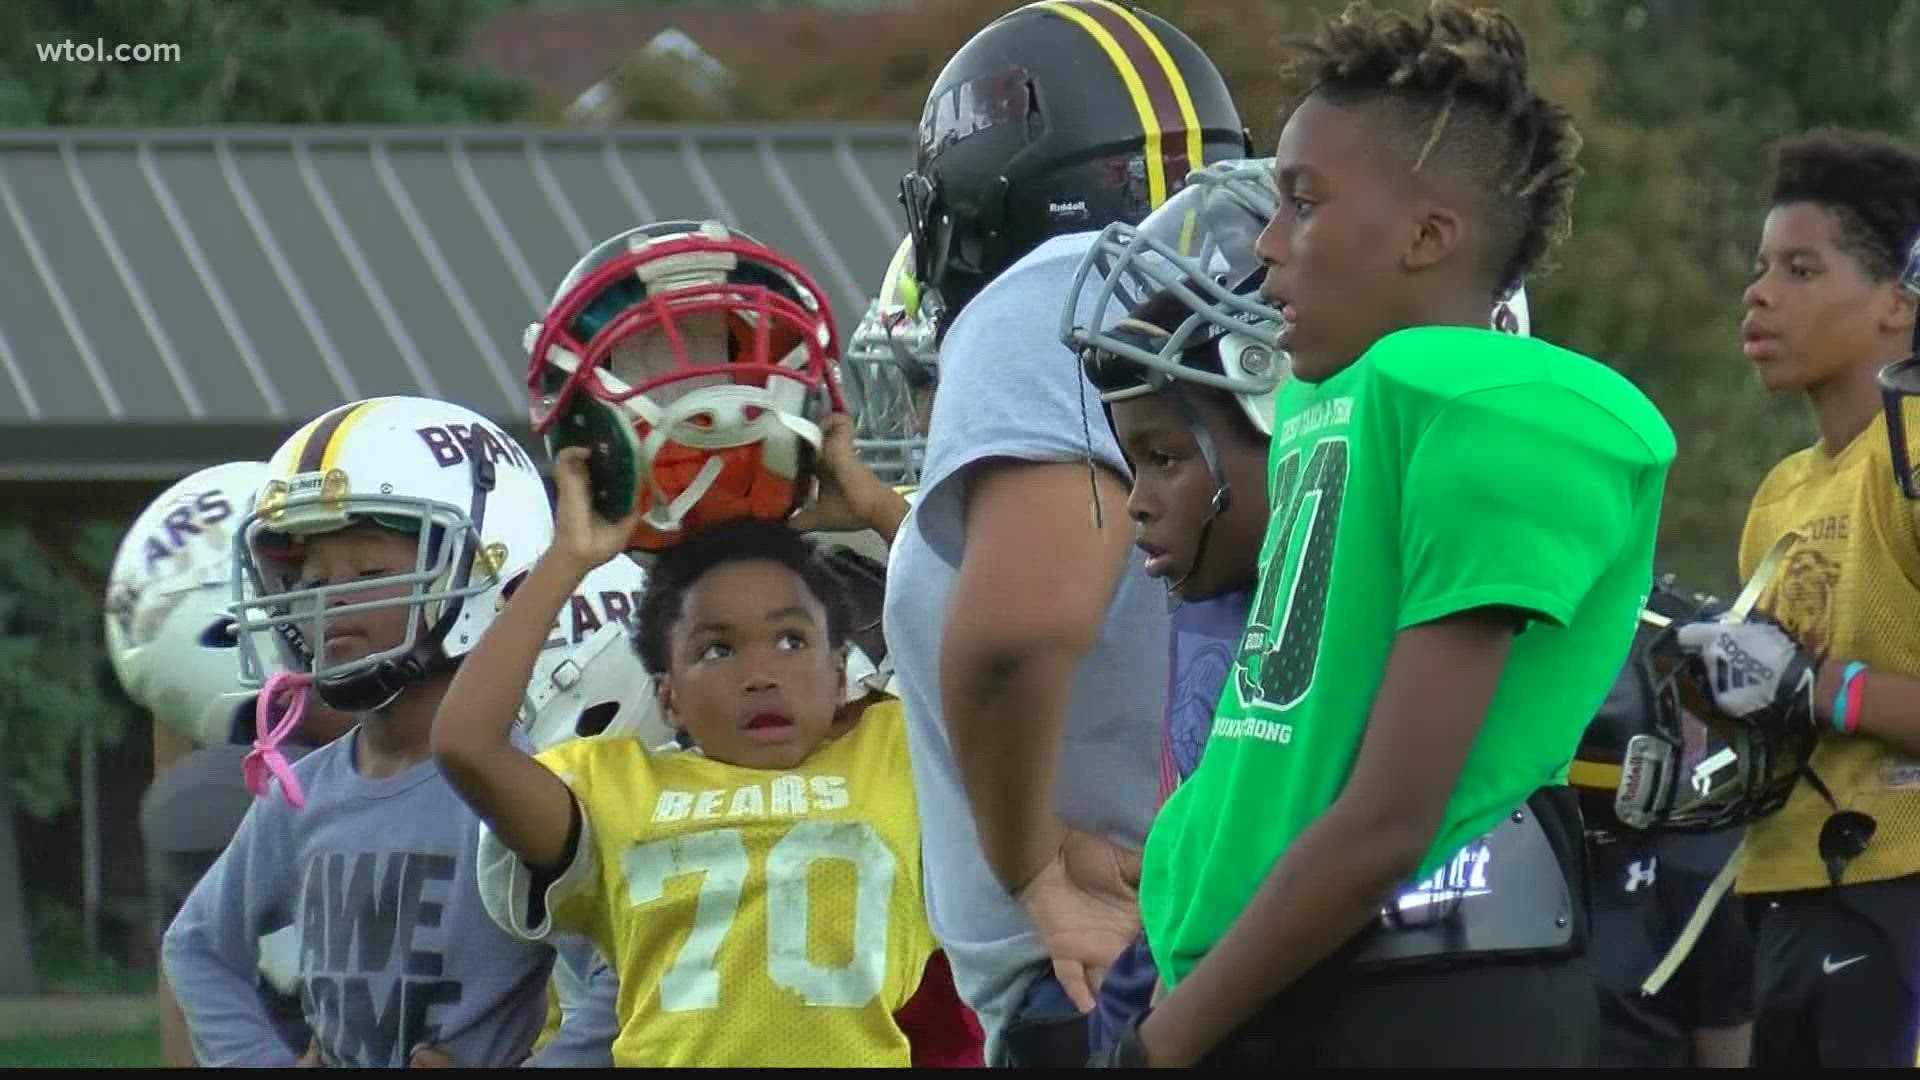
<point x="1199" y="249"/>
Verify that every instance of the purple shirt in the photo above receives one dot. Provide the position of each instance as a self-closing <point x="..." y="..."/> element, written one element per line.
<point x="1200" y="652"/>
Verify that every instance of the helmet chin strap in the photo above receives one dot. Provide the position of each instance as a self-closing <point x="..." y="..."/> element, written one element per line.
<point x="1175" y="396"/>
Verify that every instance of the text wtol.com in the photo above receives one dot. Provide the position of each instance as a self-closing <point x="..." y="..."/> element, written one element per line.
<point x="70" y="51"/>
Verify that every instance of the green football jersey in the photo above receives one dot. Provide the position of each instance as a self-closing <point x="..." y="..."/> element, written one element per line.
<point x="1448" y="469"/>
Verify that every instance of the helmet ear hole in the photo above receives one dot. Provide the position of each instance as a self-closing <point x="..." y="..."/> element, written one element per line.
<point x="220" y="634"/>
<point x="595" y="718"/>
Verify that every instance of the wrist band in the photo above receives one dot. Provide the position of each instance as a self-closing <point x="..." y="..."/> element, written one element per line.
<point x="1846" y="703"/>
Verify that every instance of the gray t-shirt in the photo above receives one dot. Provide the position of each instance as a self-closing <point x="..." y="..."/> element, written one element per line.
<point x="1010" y="389"/>
<point x="187" y="816"/>
<point x="396" y="951"/>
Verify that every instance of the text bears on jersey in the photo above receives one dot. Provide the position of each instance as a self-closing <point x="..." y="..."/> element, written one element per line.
<point x="453" y="444"/>
<point x="784" y="796"/>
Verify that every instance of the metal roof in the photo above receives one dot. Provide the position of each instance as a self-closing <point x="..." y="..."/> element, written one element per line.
<point x="178" y="298"/>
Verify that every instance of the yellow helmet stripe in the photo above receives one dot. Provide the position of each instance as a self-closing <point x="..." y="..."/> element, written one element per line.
<point x="1189" y="119"/>
<point x="339" y="439"/>
<point x="1136" y="89"/>
<point x="320" y="440"/>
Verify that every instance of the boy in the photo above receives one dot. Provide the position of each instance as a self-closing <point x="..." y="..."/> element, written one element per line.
<point x="170" y="641"/>
<point x="1462" y="535"/>
<point x="1189" y="383"/>
<point x="759" y="894"/>
<point x="373" y="557"/>
<point x="1016" y="626"/>
<point x="1836" y="971"/>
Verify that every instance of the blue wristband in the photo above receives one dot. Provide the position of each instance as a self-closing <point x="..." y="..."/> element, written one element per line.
<point x="1847" y="675"/>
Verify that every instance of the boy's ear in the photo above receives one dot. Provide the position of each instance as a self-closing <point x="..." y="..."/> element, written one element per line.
<point x="663" y="693"/>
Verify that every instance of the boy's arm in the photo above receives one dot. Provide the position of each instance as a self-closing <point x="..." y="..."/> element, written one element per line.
<point x="211" y="952"/>
<point x="1440" y="680"/>
<point x="524" y="804"/>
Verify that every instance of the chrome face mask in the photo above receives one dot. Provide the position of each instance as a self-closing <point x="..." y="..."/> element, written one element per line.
<point x="449" y="566"/>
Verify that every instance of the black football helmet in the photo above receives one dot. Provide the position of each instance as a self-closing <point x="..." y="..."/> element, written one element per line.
<point x="1060" y="116"/>
<point x="1642" y="701"/>
<point x="1899" y="381"/>
<point x="1686" y="766"/>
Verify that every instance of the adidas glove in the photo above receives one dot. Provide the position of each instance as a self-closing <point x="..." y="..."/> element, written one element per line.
<point x="1755" y="672"/>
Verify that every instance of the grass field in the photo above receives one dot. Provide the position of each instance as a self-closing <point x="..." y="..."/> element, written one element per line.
<point x="138" y="1049"/>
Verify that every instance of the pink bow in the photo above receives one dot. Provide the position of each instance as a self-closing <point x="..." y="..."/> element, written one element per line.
<point x="265" y="758"/>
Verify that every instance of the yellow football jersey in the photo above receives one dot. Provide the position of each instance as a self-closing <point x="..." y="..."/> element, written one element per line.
<point x="756" y="918"/>
<point x="1850" y="585"/>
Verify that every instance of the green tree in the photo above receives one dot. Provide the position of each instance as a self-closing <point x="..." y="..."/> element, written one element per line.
<point x="1679" y="100"/>
<point x="259" y="62"/>
<point x="51" y="670"/>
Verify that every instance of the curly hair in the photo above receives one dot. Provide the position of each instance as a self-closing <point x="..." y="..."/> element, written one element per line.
<point x="1459" y="76"/>
<point x="681" y="566"/>
<point x="1868" y="182"/>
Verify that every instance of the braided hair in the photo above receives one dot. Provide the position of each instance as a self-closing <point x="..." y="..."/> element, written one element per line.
<point x="1459" y="79"/>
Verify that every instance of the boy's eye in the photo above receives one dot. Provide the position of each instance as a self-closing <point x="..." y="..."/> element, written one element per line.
<point x="1163" y="461"/>
<point x="718" y="650"/>
<point x="793" y="641"/>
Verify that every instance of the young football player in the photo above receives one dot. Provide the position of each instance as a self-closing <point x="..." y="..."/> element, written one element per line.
<point x="375" y="554"/>
<point x="1198" y="453"/>
<point x="170" y="641"/>
<point x="1377" y="861"/>
<point x="1188" y="379"/>
<point x="1034" y="719"/>
<point x="757" y="894"/>
<point x="698" y="365"/>
<point x="1833" y="877"/>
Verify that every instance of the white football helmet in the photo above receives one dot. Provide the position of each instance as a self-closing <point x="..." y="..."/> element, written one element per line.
<point x="697" y="363"/>
<point x="169" y="635"/>
<point x="470" y="494"/>
<point x="1512" y="315"/>
<point x="598" y="686"/>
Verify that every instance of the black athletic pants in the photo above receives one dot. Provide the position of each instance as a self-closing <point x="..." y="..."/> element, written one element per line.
<point x="1834" y="976"/>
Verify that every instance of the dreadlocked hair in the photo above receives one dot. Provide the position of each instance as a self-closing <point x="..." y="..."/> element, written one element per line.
<point x="1459" y="76"/>
<point x="1868" y="182"/>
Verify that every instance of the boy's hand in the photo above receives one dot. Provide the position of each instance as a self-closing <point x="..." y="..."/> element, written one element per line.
<point x="850" y="497"/>
<point x="1085" y="904"/>
<point x="580" y="536"/>
<point x="431" y="1057"/>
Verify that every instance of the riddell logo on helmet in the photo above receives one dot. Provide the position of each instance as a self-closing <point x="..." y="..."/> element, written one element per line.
<point x="1075" y="209"/>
